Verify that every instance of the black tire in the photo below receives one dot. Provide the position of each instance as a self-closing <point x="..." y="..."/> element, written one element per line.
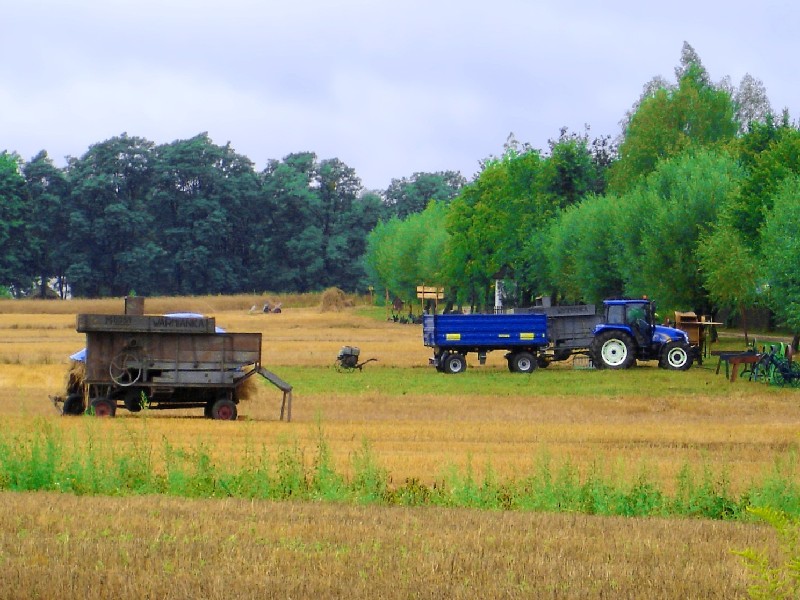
<point x="523" y="362"/>
<point x="676" y="356"/>
<point x="224" y="410"/>
<point x="613" y="350"/>
<point x="455" y="363"/>
<point x="73" y="405"/>
<point x="104" y="407"/>
<point x="133" y="400"/>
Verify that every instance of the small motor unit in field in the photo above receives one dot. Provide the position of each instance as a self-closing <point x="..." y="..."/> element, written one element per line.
<point x="348" y="358"/>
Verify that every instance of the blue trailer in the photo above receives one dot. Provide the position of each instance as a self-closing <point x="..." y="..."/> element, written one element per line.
<point x="623" y="333"/>
<point x="453" y="336"/>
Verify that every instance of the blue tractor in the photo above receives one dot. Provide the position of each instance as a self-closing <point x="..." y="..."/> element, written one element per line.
<point x="628" y="332"/>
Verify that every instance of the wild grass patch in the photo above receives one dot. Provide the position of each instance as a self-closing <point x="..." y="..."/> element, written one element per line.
<point x="45" y="459"/>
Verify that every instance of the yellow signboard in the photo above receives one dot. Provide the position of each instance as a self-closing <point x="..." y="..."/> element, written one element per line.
<point x="425" y="292"/>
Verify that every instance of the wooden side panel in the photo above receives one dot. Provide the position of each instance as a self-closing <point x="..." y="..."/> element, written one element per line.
<point x="178" y="359"/>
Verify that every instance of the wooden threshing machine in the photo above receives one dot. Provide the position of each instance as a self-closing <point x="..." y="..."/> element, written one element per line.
<point x="172" y="361"/>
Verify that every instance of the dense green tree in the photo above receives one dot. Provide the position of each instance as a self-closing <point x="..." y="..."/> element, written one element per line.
<point x="661" y="223"/>
<point x="316" y="225"/>
<point x="729" y="270"/>
<point x="771" y="154"/>
<point x="15" y="272"/>
<point x="670" y="121"/>
<point x="204" y="203"/>
<point x="581" y="251"/>
<point x="404" y="254"/>
<point x="486" y="224"/>
<point x="288" y="251"/>
<point x="47" y="230"/>
<point x="110" y="226"/>
<point x="411" y="195"/>
<point x="780" y="245"/>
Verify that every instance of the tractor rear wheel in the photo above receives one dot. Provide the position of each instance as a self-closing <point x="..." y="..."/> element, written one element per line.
<point x="613" y="350"/>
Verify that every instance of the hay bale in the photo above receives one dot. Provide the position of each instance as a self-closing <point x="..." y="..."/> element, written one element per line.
<point x="334" y="300"/>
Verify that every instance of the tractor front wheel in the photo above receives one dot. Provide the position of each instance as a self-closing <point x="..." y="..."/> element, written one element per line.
<point x="676" y="356"/>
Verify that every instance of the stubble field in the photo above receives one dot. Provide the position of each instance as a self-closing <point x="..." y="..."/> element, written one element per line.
<point x="418" y="424"/>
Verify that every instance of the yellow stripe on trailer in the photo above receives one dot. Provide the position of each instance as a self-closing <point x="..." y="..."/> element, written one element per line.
<point x="504" y="335"/>
<point x="527" y="336"/>
<point x="452" y="337"/>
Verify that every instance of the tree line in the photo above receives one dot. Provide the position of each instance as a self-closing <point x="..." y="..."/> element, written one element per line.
<point x="191" y="217"/>
<point x="697" y="205"/>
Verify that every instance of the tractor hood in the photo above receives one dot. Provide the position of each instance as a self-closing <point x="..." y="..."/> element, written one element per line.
<point x="664" y="334"/>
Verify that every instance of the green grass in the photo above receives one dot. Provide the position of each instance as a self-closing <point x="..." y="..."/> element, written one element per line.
<point x="557" y="380"/>
<point x="43" y="459"/>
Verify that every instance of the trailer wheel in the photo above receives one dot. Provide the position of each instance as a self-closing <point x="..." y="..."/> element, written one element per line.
<point x="613" y="350"/>
<point x="676" y="356"/>
<point x="104" y="407"/>
<point x="73" y="405"/>
<point x="523" y="362"/>
<point x="455" y="363"/>
<point x="224" y="410"/>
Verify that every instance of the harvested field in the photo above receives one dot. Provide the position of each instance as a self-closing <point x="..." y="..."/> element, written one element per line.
<point x="418" y="424"/>
<point x="61" y="546"/>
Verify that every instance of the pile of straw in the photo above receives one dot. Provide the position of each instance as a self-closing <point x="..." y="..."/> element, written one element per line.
<point x="334" y="300"/>
<point x="76" y="375"/>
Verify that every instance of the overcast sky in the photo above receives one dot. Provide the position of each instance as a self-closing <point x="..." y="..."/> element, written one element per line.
<point x="389" y="88"/>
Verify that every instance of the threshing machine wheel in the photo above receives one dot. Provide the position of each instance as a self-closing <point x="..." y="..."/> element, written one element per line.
<point x="126" y="368"/>
<point x="224" y="410"/>
<point x="104" y="407"/>
<point x="73" y="405"/>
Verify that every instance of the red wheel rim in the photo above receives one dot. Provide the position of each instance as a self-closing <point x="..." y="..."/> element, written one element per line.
<point x="102" y="409"/>
<point x="225" y="412"/>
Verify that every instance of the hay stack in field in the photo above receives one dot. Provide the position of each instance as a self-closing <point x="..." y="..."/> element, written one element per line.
<point x="334" y="300"/>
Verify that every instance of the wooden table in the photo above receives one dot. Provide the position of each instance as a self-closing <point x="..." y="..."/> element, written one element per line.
<point x="734" y="359"/>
